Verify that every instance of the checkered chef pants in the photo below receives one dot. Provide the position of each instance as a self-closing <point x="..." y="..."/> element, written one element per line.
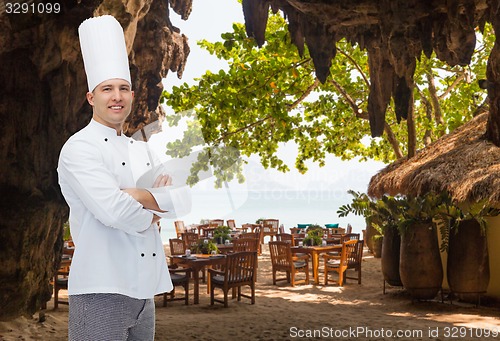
<point x="110" y="317"/>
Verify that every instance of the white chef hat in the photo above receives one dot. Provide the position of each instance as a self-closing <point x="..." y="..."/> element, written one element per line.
<point x="103" y="49"/>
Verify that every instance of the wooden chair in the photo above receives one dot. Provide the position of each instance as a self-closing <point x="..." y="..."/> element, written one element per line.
<point x="180" y="277"/>
<point x="249" y="243"/>
<point x="339" y="263"/>
<point x="251" y="227"/>
<point x="289" y="238"/>
<point x="253" y="235"/>
<point x="216" y="222"/>
<point x="246" y="244"/>
<point x="179" y="228"/>
<point x="348" y="229"/>
<point x="61" y="281"/>
<point x="350" y="236"/>
<point x="190" y="240"/>
<point x="343" y="238"/>
<point x="205" y="230"/>
<point x="286" y="237"/>
<point x="259" y="234"/>
<point x="201" y="229"/>
<point x="244" y="228"/>
<point x="270" y="227"/>
<point x="354" y="261"/>
<point x="177" y="246"/>
<point x="281" y="229"/>
<point x="335" y="230"/>
<point x="239" y="270"/>
<point x="283" y="260"/>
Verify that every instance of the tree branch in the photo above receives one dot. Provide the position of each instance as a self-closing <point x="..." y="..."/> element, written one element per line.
<point x="359" y="113"/>
<point x="393" y="141"/>
<point x="428" y="113"/>
<point x="304" y="95"/>
<point x="248" y="126"/>
<point x="458" y="79"/>
<point x="290" y="108"/>
<point x="410" y="122"/>
<point x="356" y="65"/>
<point x="483" y="107"/>
<point x="438" y="116"/>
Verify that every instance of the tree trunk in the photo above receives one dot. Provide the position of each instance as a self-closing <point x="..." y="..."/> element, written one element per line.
<point x="410" y="122"/>
<point x="43" y="88"/>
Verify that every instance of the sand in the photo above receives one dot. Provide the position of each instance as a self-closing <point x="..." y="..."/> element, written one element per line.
<point x="304" y="312"/>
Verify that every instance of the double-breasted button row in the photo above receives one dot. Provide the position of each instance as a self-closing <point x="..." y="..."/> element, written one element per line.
<point x="143" y="254"/>
<point x="123" y="163"/>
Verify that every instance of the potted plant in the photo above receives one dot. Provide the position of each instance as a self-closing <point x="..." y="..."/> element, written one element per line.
<point x="314" y="235"/>
<point x="382" y="217"/>
<point x="221" y="234"/>
<point x="420" y="264"/>
<point x="66" y="232"/>
<point x="362" y="205"/>
<point x="468" y="270"/>
<point x="206" y="246"/>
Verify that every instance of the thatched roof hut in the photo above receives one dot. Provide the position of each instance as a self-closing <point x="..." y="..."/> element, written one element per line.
<point x="462" y="163"/>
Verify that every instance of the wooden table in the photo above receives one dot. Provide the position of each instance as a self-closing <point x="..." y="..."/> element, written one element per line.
<point x="315" y="251"/>
<point x="329" y="241"/>
<point x="198" y="262"/>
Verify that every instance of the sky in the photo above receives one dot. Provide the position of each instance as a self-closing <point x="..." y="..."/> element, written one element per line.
<point x="208" y="20"/>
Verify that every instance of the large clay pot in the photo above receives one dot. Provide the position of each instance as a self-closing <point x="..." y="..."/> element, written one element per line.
<point x="377" y="246"/>
<point x="468" y="268"/>
<point x="391" y="246"/>
<point x="370" y="233"/>
<point x="420" y="262"/>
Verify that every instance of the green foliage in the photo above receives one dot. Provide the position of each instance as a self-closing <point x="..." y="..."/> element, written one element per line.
<point x="315" y="229"/>
<point x="478" y="211"/>
<point x="206" y="246"/>
<point x="314" y="235"/>
<point x="269" y="96"/>
<point x="66" y="232"/>
<point x="423" y="209"/>
<point x="383" y="213"/>
<point x="436" y="209"/>
<point x="223" y="232"/>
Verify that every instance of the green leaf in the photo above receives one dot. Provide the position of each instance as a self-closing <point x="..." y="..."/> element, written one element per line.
<point x="269" y="96"/>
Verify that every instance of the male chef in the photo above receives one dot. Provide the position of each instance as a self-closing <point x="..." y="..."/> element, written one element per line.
<point x="119" y="264"/>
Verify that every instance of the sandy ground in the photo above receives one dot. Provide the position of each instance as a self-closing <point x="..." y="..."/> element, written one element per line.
<point x="304" y="312"/>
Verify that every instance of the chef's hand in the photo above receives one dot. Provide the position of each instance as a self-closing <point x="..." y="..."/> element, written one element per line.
<point x="162" y="181"/>
<point x="144" y="196"/>
<point x="147" y="200"/>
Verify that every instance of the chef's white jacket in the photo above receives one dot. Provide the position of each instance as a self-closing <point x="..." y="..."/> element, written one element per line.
<point x="117" y="249"/>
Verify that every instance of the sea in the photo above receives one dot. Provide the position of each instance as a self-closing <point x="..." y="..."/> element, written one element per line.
<point x="291" y="207"/>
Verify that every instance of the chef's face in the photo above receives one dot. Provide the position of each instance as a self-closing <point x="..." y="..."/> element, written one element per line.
<point x="112" y="102"/>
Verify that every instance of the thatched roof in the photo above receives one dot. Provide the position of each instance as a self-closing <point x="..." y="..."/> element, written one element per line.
<point x="462" y="163"/>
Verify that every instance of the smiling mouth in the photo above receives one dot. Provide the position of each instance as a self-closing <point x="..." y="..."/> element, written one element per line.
<point x="116" y="107"/>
